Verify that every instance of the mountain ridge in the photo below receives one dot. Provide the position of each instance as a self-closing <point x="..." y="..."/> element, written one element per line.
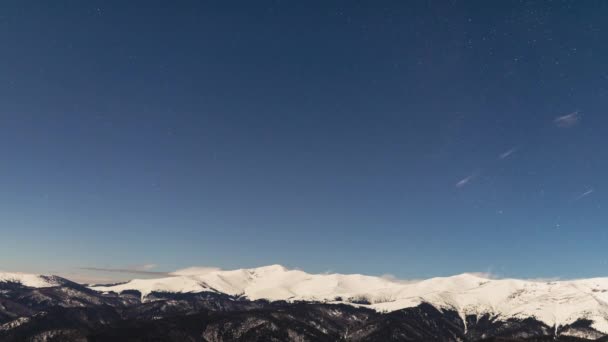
<point x="552" y="302"/>
<point x="275" y="303"/>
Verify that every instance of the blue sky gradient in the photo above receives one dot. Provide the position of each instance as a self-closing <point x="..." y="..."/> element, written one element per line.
<point x="417" y="139"/>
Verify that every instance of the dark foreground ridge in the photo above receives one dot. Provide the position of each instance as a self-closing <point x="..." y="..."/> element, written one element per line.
<point x="72" y="312"/>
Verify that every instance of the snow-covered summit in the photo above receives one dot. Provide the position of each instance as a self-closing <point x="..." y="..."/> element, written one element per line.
<point x="554" y="302"/>
<point x="30" y="280"/>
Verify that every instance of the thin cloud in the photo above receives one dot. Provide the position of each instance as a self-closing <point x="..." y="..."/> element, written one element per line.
<point x="146" y="270"/>
<point x="147" y="267"/>
<point x="88" y="279"/>
<point x="141" y="269"/>
<point x="466" y="180"/>
<point x="584" y="194"/>
<point x="568" y="120"/>
<point x="110" y="275"/>
<point x="507" y="153"/>
<point x="196" y="270"/>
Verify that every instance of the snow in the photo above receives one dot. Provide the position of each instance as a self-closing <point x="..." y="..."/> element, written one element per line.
<point x="15" y="323"/>
<point x="30" y="280"/>
<point x="555" y="302"/>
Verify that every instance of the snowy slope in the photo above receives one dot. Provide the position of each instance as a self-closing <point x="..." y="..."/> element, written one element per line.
<point x="31" y="280"/>
<point x="555" y="303"/>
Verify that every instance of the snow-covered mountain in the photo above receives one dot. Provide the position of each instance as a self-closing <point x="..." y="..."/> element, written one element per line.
<point x="275" y="303"/>
<point x="556" y="303"/>
<point x="30" y="280"/>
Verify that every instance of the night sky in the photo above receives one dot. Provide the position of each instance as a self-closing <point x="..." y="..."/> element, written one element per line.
<point x="417" y="138"/>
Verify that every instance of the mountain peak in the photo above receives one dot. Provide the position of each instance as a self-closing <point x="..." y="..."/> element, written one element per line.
<point x="31" y="280"/>
<point x="270" y="269"/>
<point x="469" y="293"/>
